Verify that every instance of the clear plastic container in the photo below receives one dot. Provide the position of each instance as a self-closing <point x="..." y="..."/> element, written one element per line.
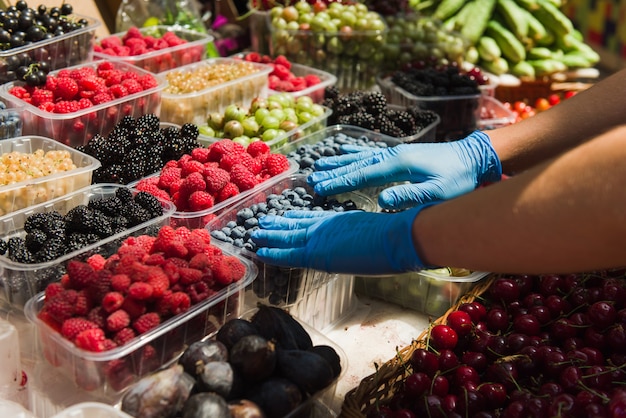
<point x="353" y="58"/>
<point x="318" y="298"/>
<point x="194" y="107"/>
<point x="316" y="92"/>
<point x="426" y="134"/>
<point x="91" y="410"/>
<point x="199" y="219"/>
<point x="21" y="281"/>
<point x="300" y="131"/>
<point x="10" y="121"/>
<point x="109" y="372"/>
<point x="459" y="114"/>
<point x="493" y="114"/>
<point x="63" y="51"/>
<point x="77" y="128"/>
<point x="431" y="292"/>
<point x="31" y="192"/>
<point x="193" y="50"/>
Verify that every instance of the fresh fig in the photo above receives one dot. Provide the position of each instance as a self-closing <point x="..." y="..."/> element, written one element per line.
<point x="243" y="408"/>
<point x="330" y="355"/>
<point x="278" y="325"/>
<point x="276" y="396"/>
<point x="220" y="377"/>
<point x="200" y="353"/>
<point x="233" y="330"/>
<point x="307" y="369"/>
<point x="159" y="395"/>
<point x="205" y="404"/>
<point x="254" y="357"/>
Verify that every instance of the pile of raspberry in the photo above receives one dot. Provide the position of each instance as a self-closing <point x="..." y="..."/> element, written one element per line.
<point x="207" y="176"/>
<point x="104" y="303"/>
<point x="282" y="78"/>
<point x="135" y="43"/>
<point x="71" y="90"/>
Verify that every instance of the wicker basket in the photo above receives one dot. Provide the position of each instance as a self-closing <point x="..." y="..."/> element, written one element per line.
<point x="380" y="386"/>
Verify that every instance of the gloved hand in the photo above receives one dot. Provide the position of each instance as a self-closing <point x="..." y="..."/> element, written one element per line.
<point x="352" y="242"/>
<point x="436" y="171"/>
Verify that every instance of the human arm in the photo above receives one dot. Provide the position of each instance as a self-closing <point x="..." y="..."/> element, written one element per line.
<point x="565" y="215"/>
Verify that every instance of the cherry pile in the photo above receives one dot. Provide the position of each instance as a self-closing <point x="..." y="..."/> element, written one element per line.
<point x="530" y="346"/>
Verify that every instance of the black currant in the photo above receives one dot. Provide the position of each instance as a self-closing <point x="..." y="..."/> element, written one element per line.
<point x="55" y="12"/>
<point x="42" y="9"/>
<point x="66" y="9"/>
<point x="21" y="5"/>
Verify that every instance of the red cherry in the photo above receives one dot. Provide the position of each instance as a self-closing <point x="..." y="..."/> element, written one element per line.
<point x="465" y="373"/>
<point x="602" y="314"/>
<point x="448" y="360"/>
<point x="440" y="386"/>
<point x="526" y="324"/>
<point x="425" y="361"/>
<point x="460" y="322"/>
<point x="476" y="310"/>
<point x="562" y="329"/>
<point x="416" y="384"/>
<point x="443" y="336"/>
<point x="475" y="359"/>
<point x="404" y="413"/>
<point x="497" y="320"/>
<point x="494" y="393"/>
<point x="504" y="290"/>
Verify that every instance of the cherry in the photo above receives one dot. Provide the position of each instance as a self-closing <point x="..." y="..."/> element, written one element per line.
<point x="533" y="299"/>
<point x="616" y="338"/>
<point x="536" y="406"/>
<point x="497" y="320"/>
<point x="460" y="322"/>
<point x="617" y="404"/>
<point x="443" y="336"/>
<point x="595" y="410"/>
<point x="550" y="284"/>
<point x="425" y="361"/>
<point x="470" y="402"/>
<point x="504" y="290"/>
<point x="602" y="314"/>
<point x="416" y="384"/>
<point x="570" y="378"/>
<point x="514" y="410"/>
<point x="516" y="308"/>
<point x="573" y="343"/>
<point x="595" y="356"/>
<point x="578" y="358"/>
<point x="550" y="389"/>
<point x="440" y="386"/>
<point x="580" y="320"/>
<point x="496" y="347"/>
<point x="465" y="373"/>
<point x="597" y="377"/>
<point x="554" y="363"/>
<point x="448" y="403"/>
<point x="542" y="313"/>
<point x="494" y="393"/>
<point x="404" y="413"/>
<point x="448" y="360"/>
<point x="503" y="372"/>
<point x="562" y="405"/>
<point x="475" y="360"/>
<point x="476" y="310"/>
<point x="594" y="338"/>
<point x="621" y="316"/>
<point x="515" y="341"/>
<point x="526" y="324"/>
<point x="526" y="283"/>
<point x="563" y="328"/>
<point x="558" y="305"/>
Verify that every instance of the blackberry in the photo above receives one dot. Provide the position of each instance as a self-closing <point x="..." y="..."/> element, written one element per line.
<point x="84" y="219"/>
<point x="35" y="239"/>
<point x="111" y="206"/>
<point x="149" y="122"/>
<point x="78" y="240"/>
<point x="405" y="122"/>
<point x="136" y="163"/>
<point x="18" y="251"/>
<point x="44" y="221"/>
<point x="119" y="224"/>
<point x="189" y="131"/>
<point x="135" y="214"/>
<point x="375" y="103"/>
<point x="111" y="174"/>
<point x="51" y="250"/>
<point x="100" y="224"/>
<point x="127" y="122"/>
<point x="3" y="247"/>
<point x="331" y="92"/>
<point x="435" y="81"/>
<point x="149" y="202"/>
<point x="124" y="194"/>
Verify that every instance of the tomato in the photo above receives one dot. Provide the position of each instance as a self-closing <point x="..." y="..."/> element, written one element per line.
<point x="569" y="94"/>
<point x="519" y="106"/>
<point x="554" y="99"/>
<point x="542" y="104"/>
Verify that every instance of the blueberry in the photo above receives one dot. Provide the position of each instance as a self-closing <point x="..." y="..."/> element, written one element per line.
<point x="298" y="202"/>
<point x="251" y="223"/>
<point x="301" y="191"/>
<point x="231" y="224"/>
<point x="238" y="242"/>
<point x="238" y="232"/>
<point x="262" y="207"/>
<point x="226" y="231"/>
<point x="219" y="235"/>
<point x="249" y="246"/>
<point x="274" y="204"/>
<point x="306" y="162"/>
<point x="243" y="214"/>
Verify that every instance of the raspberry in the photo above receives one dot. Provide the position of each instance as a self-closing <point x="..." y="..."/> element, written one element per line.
<point x="82" y="73"/>
<point x="203" y="233"/>
<point x="98" y="316"/>
<point x="120" y="283"/>
<point x="118" y="90"/>
<point x="243" y="178"/>
<point x="81" y="274"/>
<point x="223" y="147"/>
<point x="200" y="154"/>
<point x="112" y="77"/>
<point x="165" y="236"/>
<point x="192" y="183"/>
<point x="283" y="61"/>
<point x="200" y="200"/>
<point x="194" y="244"/>
<point x="96" y="261"/>
<point x="124" y="335"/>
<point x="182" y="233"/>
<point x="199" y="291"/>
<point x="229" y="160"/>
<point x="147" y="82"/>
<point x="199" y="262"/>
<point x="42" y="96"/>
<point x="191" y="166"/>
<point x="229" y="270"/>
<point x="61" y="306"/>
<point x="171" y="270"/>
<point x="133" y="86"/>
<point x="189" y="276"/>
<point x="159" y="282"/>
<point x="53" y="289"/>
<point x="227" y="192"/>
<point x="83" y="304"/>
<point x="91" y="340"/>
<point x="169" y="176"/>
<point x="103" y="97"/>
<point x="155" y="260"/>
<point x="253" y="57"/>
<point x="91" y="83"/>
<point x="215" y="178"/>
<point x="176" y="249"/>
<point x="179" y="303"/>
<point x="146" y="322"/>
<point x="74" y="326"/>
<point x="276" y="164"/>
<point x="118" y="320"/>
<point x="281" y="72"/>
<point x="258" y="147"/>
<point x="19" y="92"/>
<point x="132" y="32"/>
<point x="85" y="103"/>
<point x="311" y="80"/>
<point x="140" y="291"/>
<point x="113" y="301"/>
<point x="65" y="106"/>
<point x="134" y="307"/>
<point x="66" y="88"/>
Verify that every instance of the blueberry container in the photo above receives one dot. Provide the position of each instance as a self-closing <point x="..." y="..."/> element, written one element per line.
<point x="10" y="121"/>
<point x="194" y="49"/>
<point x="63" y="51"/>
<point x="32" y="191"/>
<point x="108" y="373"/>
<point x="459" y="114"/>
<point x="22" y="281"/>
<point x="76" y="128"/>
<point x="313" y="125"/>
<point x="318" y="298"/>
<point x="195" y="106"/>
<point x="431" y="292"/>
<point x="493" y="114"/>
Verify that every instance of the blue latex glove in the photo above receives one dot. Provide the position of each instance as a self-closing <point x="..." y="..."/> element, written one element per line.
<point x="436" y="171"/>
<point x="352" y="242"/>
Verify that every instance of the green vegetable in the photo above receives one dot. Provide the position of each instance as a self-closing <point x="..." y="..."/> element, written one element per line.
<point x="551" y="17"/>
<point x="488" y="48"/>
<point x="511" y="47"/>
<point x="539" y="53"/>
<point x="447" y="8"/>
<point x="523" y="69"/>
<point x="480" y="14"/>
<point x="497" y="66"/>
<point x="514" y="17"/>
<point x="547" y="66"/>
<point x="536" y="30"/>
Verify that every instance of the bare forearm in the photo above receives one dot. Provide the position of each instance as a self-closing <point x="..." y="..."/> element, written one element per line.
<point x="562" y="127"/>
<point x="565" y="215"/>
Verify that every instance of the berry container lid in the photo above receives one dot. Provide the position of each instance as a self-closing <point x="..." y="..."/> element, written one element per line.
<point x="354" y="58"/>
<point x="194" y="107"/>
<point x="318" y="298"/>
<point x="76" y="128"/>
<point x="300" y="131"/>
<point x="37" y="190"/>
<point x="72" y="48"/>
<point x="431" y="292"/>
<point x="91" y="410"/>
<point x="21" y="281"/>
<point x="108" y="373"/>
<point x="193" y="50"/>
<point x="459" y="113"/>
<point x="198" y="219"/>
<point x="494" y="114"/>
